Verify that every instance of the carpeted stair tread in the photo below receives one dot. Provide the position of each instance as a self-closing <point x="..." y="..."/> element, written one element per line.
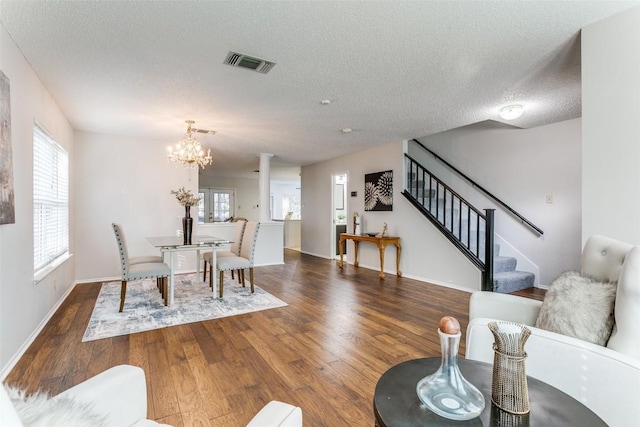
<point x="512" y="281"/>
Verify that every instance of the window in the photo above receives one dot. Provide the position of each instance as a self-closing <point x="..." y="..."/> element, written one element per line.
<point x="50" y="203"/>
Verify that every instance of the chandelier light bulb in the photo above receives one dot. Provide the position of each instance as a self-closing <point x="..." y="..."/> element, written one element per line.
<point x="511" y="112"/>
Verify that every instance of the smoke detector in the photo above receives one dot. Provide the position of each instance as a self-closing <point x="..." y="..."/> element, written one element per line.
<point x="236" y="59"/>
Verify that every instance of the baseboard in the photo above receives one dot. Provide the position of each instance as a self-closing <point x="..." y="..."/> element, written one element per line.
<point x="98" y="280"/>
<point x="314" y="254"/>
<point x="392" y="273"/>
<point x="443" y="284"/>
<point x="23" y="348"/>
<point x="268" y="264"/>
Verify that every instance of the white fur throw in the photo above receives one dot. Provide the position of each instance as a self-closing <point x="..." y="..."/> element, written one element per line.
<point x="579" y="307"/>
<point x="38" y="410"/>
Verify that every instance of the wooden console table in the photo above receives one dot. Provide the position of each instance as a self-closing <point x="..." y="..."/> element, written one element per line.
<point x="381" y="242"/>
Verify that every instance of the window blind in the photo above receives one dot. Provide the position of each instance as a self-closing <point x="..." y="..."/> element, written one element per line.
<point x="50" y="200"/>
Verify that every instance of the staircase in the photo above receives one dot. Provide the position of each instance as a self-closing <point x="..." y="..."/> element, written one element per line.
<point x="506" y="278"/>
<point x="466" y="227"/>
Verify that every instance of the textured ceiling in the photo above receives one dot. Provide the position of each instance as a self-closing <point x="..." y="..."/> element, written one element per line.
<point x="392" y="70"/>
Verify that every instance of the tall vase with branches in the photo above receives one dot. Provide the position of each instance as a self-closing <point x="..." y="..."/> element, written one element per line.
<point x="187" y="199"/>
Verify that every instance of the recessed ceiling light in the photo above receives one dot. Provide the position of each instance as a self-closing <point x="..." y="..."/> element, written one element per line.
<point x="346" y="130"/>
<point x="511" y="112"/>
<point x="325" y="102"/>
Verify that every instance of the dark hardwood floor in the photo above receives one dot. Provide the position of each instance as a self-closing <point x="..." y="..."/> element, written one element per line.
<point x="323" y="352"/>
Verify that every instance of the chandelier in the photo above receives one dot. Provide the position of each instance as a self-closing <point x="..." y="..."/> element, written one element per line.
<point x="188" y="151"/>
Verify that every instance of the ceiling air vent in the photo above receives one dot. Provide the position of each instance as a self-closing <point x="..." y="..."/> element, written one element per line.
<point x="244" y="61"/>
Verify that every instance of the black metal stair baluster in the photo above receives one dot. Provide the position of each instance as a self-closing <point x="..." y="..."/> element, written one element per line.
<point x="437" y="200"/>
<point x="452" y="203"/>
<point x="460" y="219"/>
<point x="423" y="188"/>
<point x="430" y="191"/>
<point x="478" y="236"/>
<point x="412" y="168"/>
<point x="468" y="226"/>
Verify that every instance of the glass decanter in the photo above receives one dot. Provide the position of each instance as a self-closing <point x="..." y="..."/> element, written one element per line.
<point x="446" y="392"/>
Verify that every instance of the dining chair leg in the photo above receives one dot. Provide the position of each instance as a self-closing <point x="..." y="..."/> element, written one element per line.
<point x="204" y="271"/>
<point x="211" y="276"/>
<point x="241" y="273"/>
<point x="251" y="278"/>
<point x="221" y="282"/>
<point x="232" y="275"/>
<point x="165" y="290"/>
<point x="123" y="293"/>
<point x="238" y="276"/>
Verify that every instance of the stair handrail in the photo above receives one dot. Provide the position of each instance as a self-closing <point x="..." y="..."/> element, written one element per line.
<point x="480" y="188"/>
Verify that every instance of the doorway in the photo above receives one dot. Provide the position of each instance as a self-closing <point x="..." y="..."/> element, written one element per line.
<point x="216" y="204"/>
<point x="339" y="213"/>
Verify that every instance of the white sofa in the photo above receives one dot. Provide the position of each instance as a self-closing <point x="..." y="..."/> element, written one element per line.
<point x="605" y="379"/>
<point x="119" y="395"/>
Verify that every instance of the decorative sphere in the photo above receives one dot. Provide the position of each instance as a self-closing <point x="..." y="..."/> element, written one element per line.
<point x="449" y="325"/>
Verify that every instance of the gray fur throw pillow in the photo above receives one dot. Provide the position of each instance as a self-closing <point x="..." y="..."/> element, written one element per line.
<point x="38" y="410"/>
<point x="579" y="307"/>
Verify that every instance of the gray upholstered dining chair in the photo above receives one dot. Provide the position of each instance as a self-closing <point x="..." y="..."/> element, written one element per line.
<point x="140" y="270"/>
<point x="143" y="259"/>
<point x="242" y="262"/>
<point x="117" y="228"/>
<point x="234" y="250"/>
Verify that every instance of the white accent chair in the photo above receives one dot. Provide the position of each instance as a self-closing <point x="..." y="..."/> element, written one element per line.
<point x="242" y="262"/>
<point x="605" y="379"/>
<point x="144" y="270"/>
<point x="120" y="395"/>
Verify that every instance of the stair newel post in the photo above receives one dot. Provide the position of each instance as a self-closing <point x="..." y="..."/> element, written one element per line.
<point x="487" y="275"/>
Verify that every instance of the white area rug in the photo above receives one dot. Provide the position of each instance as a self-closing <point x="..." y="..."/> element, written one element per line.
<point x="194" y="301"/>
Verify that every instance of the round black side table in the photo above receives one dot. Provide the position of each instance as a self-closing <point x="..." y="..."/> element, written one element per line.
<point x="396" y="404"/>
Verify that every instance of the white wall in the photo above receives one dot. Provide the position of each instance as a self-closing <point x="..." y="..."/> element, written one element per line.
<point x="426" y="254"/>
<point x="125" y="180"/>
<point x="23" y="305"/>
<point x="611" y="127"/>
<point x="522" y="167"/>
<point x="247" y="194"/>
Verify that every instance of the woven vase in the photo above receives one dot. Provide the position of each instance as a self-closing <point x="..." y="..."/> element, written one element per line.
<point x="509" y="389"/>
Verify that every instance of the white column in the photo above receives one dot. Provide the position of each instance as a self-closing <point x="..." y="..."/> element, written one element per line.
<point x="264" y="186"/>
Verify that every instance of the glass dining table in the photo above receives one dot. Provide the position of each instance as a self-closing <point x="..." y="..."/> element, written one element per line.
<point x="173" y="244"/>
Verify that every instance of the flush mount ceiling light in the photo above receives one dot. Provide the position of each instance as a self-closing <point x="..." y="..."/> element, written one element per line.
<point x="188" y="151"/>
<point x="511" y="112"/>
<point x="346" y="130"/>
